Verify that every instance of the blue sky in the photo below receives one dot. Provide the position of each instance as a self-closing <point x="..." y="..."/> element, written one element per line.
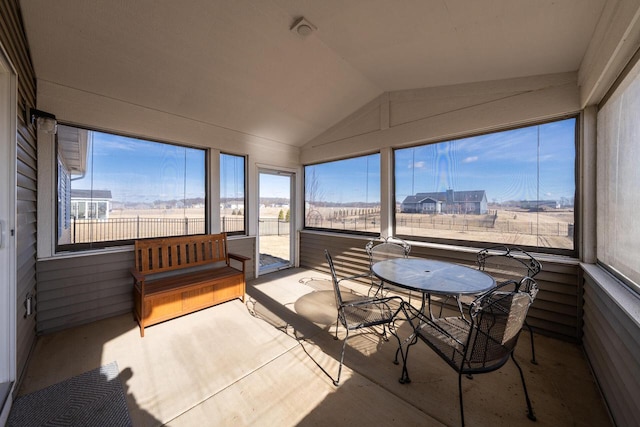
<point x="275" y="185"/>
<point x="136" y="170"/>
<point x="529" y="163"/>
<point x="522" y="164"/>
<point x="232" y="176"/>
<point x="351" y="180"/>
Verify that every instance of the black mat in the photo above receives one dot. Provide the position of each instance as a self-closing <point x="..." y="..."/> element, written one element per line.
<point x="95" y="398"/>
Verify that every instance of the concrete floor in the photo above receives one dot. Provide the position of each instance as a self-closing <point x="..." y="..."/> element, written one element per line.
<point x="270" y="361"/>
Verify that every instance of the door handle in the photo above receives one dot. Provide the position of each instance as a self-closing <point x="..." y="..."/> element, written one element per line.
<point x="1" y="234"/>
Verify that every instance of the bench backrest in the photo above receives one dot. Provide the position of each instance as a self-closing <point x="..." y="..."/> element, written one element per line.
<point x="173" y="253"/>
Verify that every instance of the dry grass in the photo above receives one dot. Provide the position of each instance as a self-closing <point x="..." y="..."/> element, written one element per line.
<point x="513" y="227"/>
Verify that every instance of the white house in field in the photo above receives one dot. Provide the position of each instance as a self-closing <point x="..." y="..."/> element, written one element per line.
<point x="90" y="204"/>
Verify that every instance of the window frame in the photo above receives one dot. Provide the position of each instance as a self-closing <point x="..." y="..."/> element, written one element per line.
<point x="245" y="158"/>
<point x="336" y="230"/>
<point x="484" y="244"/>
<point x="59" y="249"/>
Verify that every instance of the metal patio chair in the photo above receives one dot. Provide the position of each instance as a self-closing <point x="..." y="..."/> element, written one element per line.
<point x="361" y="312"/>
<point x="511" y="266"/>
<point x="480" y="344"/>
<point x="383" y="249"/>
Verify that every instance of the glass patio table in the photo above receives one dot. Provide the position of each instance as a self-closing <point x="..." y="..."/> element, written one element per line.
<point x="431" y="277"/>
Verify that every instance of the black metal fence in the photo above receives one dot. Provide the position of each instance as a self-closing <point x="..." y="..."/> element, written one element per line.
<point x="369" y="223"/>
<point x="232" y="223"/>
<point x="113" y="229"/>
<point x="273" y="227"/>
<point x="85" y="231"/>
<point x="481" y="224"/>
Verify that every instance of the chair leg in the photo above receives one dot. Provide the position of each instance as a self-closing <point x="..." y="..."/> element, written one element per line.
<point x="404" y="377"/>
<point x="533" y="349"/>
<point x="530" y="413"/>
<point x="398" y="350"/>
<point x="392" y="329"/>
<point x="344" y="345"/>
<point x="460" y="397"/>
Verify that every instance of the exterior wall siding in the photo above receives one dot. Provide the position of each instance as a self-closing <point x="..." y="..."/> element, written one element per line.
<point x="14" y="42"/>
<point x="612" y="344"/>
<point x="556" y="311"/>
<point x="76" y="290"/>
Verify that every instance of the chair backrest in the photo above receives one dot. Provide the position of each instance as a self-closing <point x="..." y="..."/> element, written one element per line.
<point x="496" y="321"/>
<point x="386" y="248"/>
<point x="334" y="277"/>
<point x="507" y="264"/>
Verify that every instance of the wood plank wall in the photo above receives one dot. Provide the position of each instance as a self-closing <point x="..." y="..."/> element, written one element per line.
<point x="14" y="42"/>
<point x="556" y="311"/>
<point x="81" y="289"/>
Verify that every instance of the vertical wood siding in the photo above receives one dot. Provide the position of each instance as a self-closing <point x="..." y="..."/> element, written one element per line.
<point x="612" y="344"/>
<point x="82" y="289"/>
<point x="14" y="42"/>
<point x="555" y="312"/>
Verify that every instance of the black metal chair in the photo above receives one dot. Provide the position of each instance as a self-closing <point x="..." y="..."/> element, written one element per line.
<point x="480" y="344"/>
<point x="362" y="312"/>
<point x="383" y="249"/>
<point x="510" y="266"/>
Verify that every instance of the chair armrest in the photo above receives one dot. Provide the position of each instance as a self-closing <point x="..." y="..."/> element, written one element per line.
<point x="423" y="325"/>
<point x="376" y="301"/>
<point x="357" y="276"/>
<point x="506" y="283"/>
<point x="365" y="301"/>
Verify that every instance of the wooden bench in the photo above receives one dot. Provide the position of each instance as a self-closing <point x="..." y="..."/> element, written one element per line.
<point x="174" y="276"/>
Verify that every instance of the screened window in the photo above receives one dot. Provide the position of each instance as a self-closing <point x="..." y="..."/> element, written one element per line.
<point x="232" y="194"/>
<point x="344" y="195"/>
<point x="618" y="175"/>
<point x="114" y="189"/>
<point x="515" y="187"/>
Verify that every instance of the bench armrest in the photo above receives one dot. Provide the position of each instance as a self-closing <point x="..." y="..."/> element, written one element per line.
<point x="138" y="277"/>
<point x="243" y="259"/>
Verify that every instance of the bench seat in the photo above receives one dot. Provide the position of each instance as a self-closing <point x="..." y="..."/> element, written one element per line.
<point x="177" y="276"/>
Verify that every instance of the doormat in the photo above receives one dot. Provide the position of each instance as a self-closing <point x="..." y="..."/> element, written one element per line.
<point x="95" y="398"/>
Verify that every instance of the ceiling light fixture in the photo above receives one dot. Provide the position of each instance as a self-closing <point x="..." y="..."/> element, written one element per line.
<point x="302" y="27"/>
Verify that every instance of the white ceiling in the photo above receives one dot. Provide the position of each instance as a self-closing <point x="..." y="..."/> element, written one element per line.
<point x="235" y="64"/>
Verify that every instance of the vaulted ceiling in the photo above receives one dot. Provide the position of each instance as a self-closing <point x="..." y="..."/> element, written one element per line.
<point x="236" y="64"/>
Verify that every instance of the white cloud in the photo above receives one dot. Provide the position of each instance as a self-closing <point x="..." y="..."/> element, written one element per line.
<point x="470" y="159"/>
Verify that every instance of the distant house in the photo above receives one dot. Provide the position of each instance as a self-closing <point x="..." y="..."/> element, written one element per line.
<point x="537" y="204"/>
<point x="90" y="204"/>
<point x="450" y="202"/>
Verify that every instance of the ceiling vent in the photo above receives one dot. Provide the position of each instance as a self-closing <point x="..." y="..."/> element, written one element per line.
<point x="302" y="27"/>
